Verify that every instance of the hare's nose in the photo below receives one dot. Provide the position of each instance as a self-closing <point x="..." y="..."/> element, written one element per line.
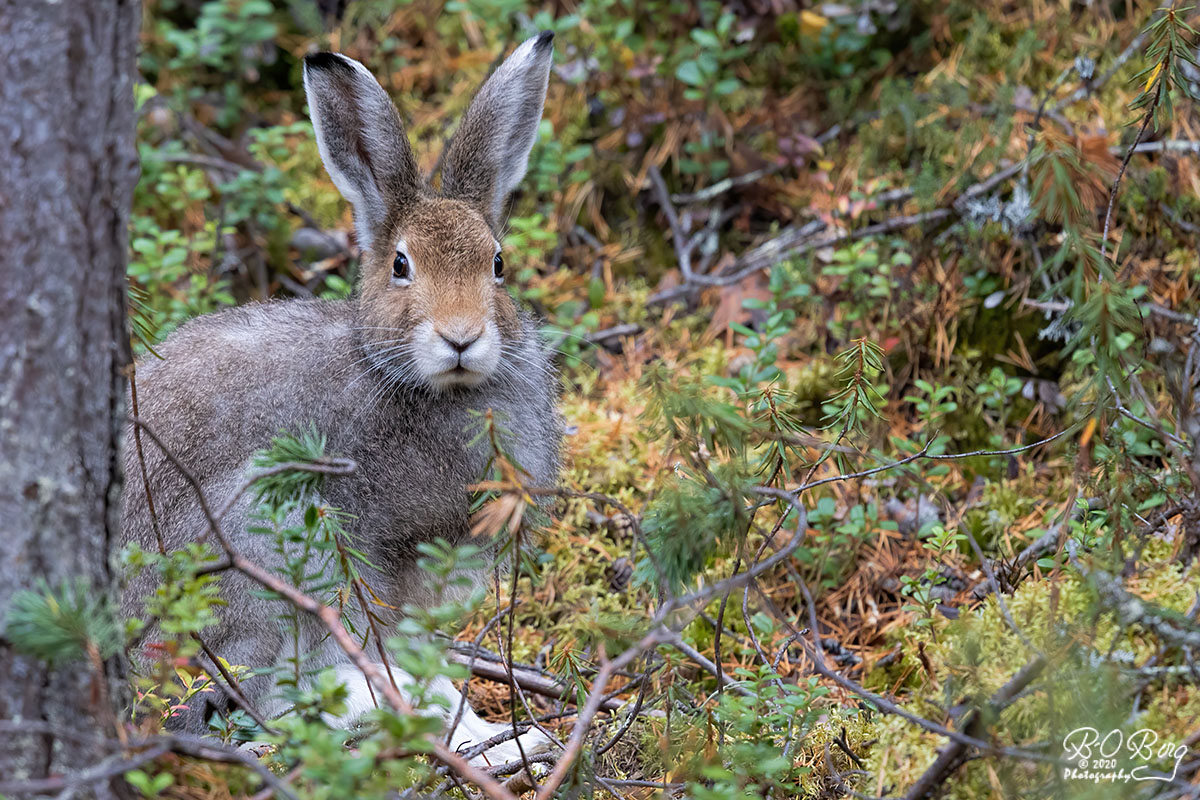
<point x="460" y="347"/>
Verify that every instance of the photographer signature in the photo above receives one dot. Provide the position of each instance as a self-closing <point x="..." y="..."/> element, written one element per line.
<point x="1114" y="757"/>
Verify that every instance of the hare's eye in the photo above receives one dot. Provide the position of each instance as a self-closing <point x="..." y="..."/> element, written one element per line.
<point x="400" y="267"/>
<point x="498" y="266"/>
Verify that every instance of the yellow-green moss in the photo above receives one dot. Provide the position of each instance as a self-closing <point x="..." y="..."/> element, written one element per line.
<point x="822" y="740"/>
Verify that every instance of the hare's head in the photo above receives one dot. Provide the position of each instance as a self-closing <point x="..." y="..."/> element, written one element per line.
<point x="433" y="305"/>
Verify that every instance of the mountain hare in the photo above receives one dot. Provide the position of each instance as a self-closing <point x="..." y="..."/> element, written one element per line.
<point x="389" y="375"/>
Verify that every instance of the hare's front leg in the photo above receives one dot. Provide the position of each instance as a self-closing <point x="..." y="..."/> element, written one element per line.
<point x="470" y="731"/>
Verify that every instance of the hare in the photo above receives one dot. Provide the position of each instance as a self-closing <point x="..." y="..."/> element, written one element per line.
<point x="389" y="376"/>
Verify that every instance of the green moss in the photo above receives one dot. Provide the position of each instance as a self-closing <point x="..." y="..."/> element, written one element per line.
<point x="822" y="747"/>
<point x="1003" y="504"/>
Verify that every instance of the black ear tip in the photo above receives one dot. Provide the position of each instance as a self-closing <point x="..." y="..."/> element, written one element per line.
<point x="544" y="39"/>
<point x="322" y="62"/>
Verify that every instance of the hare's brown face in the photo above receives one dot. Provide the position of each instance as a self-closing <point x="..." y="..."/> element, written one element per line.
<point x="432" y="303"/>
<point x="439" y="290"/>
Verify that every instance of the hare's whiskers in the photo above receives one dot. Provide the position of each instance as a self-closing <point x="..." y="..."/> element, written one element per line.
<point x="370" y="354"/>
<point x="376" y="360"/>
<point x="390" y="377"/>
<point x="516" y="356"/>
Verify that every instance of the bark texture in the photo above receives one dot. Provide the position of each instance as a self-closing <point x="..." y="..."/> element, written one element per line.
<point x="68" y="165"/>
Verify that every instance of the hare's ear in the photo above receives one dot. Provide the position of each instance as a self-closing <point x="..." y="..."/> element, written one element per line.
<point x="487" y="157"/>
<point x="361" y="139"/>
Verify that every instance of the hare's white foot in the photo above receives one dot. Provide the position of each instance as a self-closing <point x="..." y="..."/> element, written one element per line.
<point x="471" y="730"/>
<point x="479" y="730"/>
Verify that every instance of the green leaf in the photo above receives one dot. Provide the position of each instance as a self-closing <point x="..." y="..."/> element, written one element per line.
<point x="255" y="8"/>
<point x="689" y="72"/>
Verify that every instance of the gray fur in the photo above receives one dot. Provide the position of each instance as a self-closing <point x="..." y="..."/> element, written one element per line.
<point x="488" y="155"/>
<point x="228" y="382"/>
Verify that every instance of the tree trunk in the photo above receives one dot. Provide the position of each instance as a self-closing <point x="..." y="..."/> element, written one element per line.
<point x="68" y="165"/>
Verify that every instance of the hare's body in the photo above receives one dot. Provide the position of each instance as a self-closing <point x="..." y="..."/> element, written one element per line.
<point x="389" y="377"/>
<point x="297" y="363"/>
<point x="294" y="363"/>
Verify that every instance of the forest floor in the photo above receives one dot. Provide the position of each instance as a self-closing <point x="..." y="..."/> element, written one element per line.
<point x="917" y="268"/>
